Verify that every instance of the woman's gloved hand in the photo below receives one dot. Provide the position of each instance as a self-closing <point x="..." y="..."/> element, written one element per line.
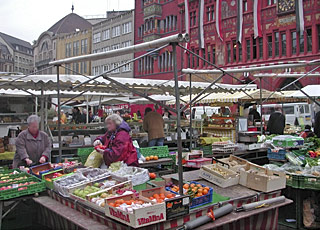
<point x="99" y="150"/>
<point x="28" y="161"/>
<point x="42" y="160"/>
<point x="97" y="142"/>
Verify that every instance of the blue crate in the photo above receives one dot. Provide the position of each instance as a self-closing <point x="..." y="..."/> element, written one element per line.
<point x="198" y="201"/>
<point x="280" y="155"/>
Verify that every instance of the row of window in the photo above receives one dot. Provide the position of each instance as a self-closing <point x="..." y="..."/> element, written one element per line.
<point x="22" y="70"/>
<point x="75" y="51"/>
<point x="165" y="63"/>
<point x="23" y="60"/>
<point x="209" y="53"/>
<point x="77" y="67"/>
<point x="278" y="44"/>
<point x="104" y="68"/>
<point x="115" y="32"/>
<point x="168" y="24"/>
<point x="113" y="47"/>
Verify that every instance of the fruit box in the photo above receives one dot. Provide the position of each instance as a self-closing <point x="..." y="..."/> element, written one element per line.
<point x="138" y="217"/>
<point x="198" y="163"/>
<point x="219" y="175"/>
<point x="235" y="163"/>
<point x="175" y="207"/>
<point x="48" y="177"/>
<point x="287" y="141"/>
<point x="38" y="170"/>
<point x="262" y="179"/>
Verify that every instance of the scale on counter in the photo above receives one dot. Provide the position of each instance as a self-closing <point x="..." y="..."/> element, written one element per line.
<point x="245" y="136"/>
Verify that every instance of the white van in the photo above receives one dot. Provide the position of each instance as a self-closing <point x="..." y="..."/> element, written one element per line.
<point x="199" y="111"/>
<point x="292" y="111"/>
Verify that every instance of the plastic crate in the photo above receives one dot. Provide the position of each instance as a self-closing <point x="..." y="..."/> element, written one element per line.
<point x="83" y="153"/>
<point x="280" y="155"/>
<point x="207" y="150"/>
<point x="14" y="176"/>
<point x="29" y="189"/>
<point x="293" y="180"/>
<point x="198" y="163"/>
<point x="160" y="151"/>
<point x="39" y="170"/>
<point x="309" y="182"/>
<point x="198" y="201"/>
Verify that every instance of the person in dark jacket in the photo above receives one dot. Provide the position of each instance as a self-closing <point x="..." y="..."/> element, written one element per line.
<point x="317" y="124"/>
<point x="119" y="146"/>
<point x="255" y="113"/>
<point x="277" y="122"/>
<point x="76" y="115"/>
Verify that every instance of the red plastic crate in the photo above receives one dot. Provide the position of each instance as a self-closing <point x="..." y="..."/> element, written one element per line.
<point x="197" y="163"/>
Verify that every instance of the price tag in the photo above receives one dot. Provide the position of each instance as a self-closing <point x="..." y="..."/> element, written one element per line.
<point x="169" y="139"/>
<point x="55" y="145"/>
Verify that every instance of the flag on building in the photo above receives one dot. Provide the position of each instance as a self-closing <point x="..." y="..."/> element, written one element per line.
<point x="186" y="20"/>
<point x="218" y="19"/>
<point x="201" y="32"/>
<point x="299" y="16"/>
<point x="257" y="18"/>
<point x="239" y="20"/>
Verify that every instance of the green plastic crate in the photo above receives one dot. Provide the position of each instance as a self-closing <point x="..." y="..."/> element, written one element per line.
<point x="83" y="153"/>
<point x="309" y="182"/>
<point x="293" y="180"/>
<point x="49" y="184"/>
<point x="160" y="151"/>
<point x="31" y="189"/>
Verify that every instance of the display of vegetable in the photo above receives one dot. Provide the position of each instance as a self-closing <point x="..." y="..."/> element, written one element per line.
<point x="292" y="158"/>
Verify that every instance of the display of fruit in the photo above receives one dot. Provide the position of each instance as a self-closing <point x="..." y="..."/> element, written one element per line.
<point x="191" y="189"/>
<point x="159" y="198"/>
<point x="129" y="205"/>
<point x="150" y="158"/>
<point x="9" y="180"/>
<point x="152" y="175"/>
<point x="82" y="192"/>
<point x="100" y="198"/>
<point x="125" y="191"/>
<point x="17" y="185"/>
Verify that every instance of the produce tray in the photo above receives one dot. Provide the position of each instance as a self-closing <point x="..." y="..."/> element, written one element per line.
<point x="160" y="151"/>
<point x="49" y="184"/>
<point x="198" y="163"/>
<point x="198" y="201"/>
<point x="309" y="182"/>
<point x="280" y="155"/>
<point x="23" y="190"/>
<point x="41" y="169"/>
<point x="14" y="176"/>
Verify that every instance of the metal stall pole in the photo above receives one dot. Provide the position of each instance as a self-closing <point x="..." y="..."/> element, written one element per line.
<point x="42" y="110"/>
<point x="261" y="124"/>
<point x="87" y="108"/>
<point x="176" y="86"/>
<point x="190" y="132"/>
<point x="59" y="115"/>
<point x="46" y="112"/>
<point x="36" y="105"/>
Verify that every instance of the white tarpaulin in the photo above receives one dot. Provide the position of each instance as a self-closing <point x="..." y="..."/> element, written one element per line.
<point x="311" y="90"/>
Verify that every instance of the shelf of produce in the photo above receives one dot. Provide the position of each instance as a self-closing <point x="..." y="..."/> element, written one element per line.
<point x="152" y="163"/>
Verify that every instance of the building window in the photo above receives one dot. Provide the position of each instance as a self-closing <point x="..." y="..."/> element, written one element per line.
<point x="276" y="43"/>
<point x="105" y="49"/>
<point x="301" y="44"/>
<point x="234" y="50"/>
<point x="270" y="46"/>
<point x="127" y="28"/>
<point x="213" y="54"/>
<point x="68" y="50"/>
<point x="254" y="48"/>
<point x="193" y="18"/>
<point x="198" y="60"/>
<point x="126" y="43"/>
<point x="105" y="34"/>
<point x="115" y="65"/>
<point x="293" y="42"/>
<point x="75" y="68"/>
<point x="240" y="51"/>
<point x="245" y="6"/>
<point x="209" y="53"/>
<point x="309" y="40"/>
<point x="248" y="50"/>
<point x="76" y="48"/>
<point x="210" y="13"/>
<point x="127" y="67"/>
<point x="228" y="53"/>
<point x="283" y="45"/>
<point x="96" y="37"/>
<point x="260" y="48"/>
<point x="84" y="46"/>
<point x="106" y="68"/>
<point x="271" y="2"/>
<point x="115" y="46"/>
<point x="115" y="31"/>
<point x="193" y="59"/>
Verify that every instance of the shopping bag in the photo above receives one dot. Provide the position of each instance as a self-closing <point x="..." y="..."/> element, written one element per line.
<point x="95" y="160"/>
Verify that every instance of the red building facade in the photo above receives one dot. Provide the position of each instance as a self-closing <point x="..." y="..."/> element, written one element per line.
<point x="279" y="42"/>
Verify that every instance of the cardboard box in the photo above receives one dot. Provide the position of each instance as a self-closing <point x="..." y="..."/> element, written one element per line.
<point x="208" y="173"/>
<point x="139" y="217"/>
<point x="262" y="179"/>
<point x="175" y="207"/>
<point x="234" y="163"/>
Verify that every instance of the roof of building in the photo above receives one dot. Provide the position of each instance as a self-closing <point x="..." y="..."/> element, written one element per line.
<point x="4" y="49"/>
<point x="69" y="24"/>
<point x="13" y="41"/>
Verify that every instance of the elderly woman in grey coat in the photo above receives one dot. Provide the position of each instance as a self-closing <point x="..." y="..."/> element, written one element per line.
<point x="32" y="145"/>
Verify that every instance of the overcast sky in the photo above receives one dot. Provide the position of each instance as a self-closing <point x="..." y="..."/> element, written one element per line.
<point x="27" y="19"/>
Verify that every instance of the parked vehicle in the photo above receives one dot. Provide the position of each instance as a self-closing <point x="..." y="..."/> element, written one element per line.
<point x="293" y="112"/>
<point x="200" y="110"/>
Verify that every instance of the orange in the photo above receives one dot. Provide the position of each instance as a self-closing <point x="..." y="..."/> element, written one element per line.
<point x="152" y="175"/>
<point x="199" y="194"/>
<point x="151" y="157"/>
<point x="192" y="185"/>
<point x="162" y="196"/>
<point x="186" y="186"/>
<point x="207" y="188"/>
<point x="155" y="158"/>
<point x="120" y="201"/>
<point x="199" y="185"/>
<point x="159" y="200"/>
<point x="151" y="198"/>
<point x="200" y="190"/>
<point x="117" y="205"/>
<point x="147" y="158"/>
<point x="156" y="196"/>
<point x="170" y="195"/>
<point x="194" y="190"/>
<point x="205" y="191"/>
<point x="112" y="204"/>
<point x="128" y="202"/>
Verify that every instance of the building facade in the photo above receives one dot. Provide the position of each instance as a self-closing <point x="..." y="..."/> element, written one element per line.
<point x="155" y="19"/>
<point x="280" y="41"/>
<point x="6" y="59"/>
<point x="70" y="36"/>
<point x="20" y="50"/>
<point x="116" y="32"/>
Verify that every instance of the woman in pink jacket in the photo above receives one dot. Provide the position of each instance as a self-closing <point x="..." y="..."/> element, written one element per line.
<point x="118" y="142"/>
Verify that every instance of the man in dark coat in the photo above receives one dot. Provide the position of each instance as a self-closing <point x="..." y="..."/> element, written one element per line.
<point x="255" y="113"/>
<point x="317" y="124"/>
<point x="277" y="122"/>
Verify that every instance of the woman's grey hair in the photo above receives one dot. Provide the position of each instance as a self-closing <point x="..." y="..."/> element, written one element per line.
<point x="32" y="119"/>
<point x="115" y="118"/>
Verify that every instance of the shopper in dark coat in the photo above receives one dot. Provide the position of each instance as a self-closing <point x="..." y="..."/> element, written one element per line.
<point x="255" y="113"/>
<point x="277" y="122"/>
<point x="317" y="124"/>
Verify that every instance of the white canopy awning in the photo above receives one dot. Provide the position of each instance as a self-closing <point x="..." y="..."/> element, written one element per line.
<point x="311" y="90"/>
